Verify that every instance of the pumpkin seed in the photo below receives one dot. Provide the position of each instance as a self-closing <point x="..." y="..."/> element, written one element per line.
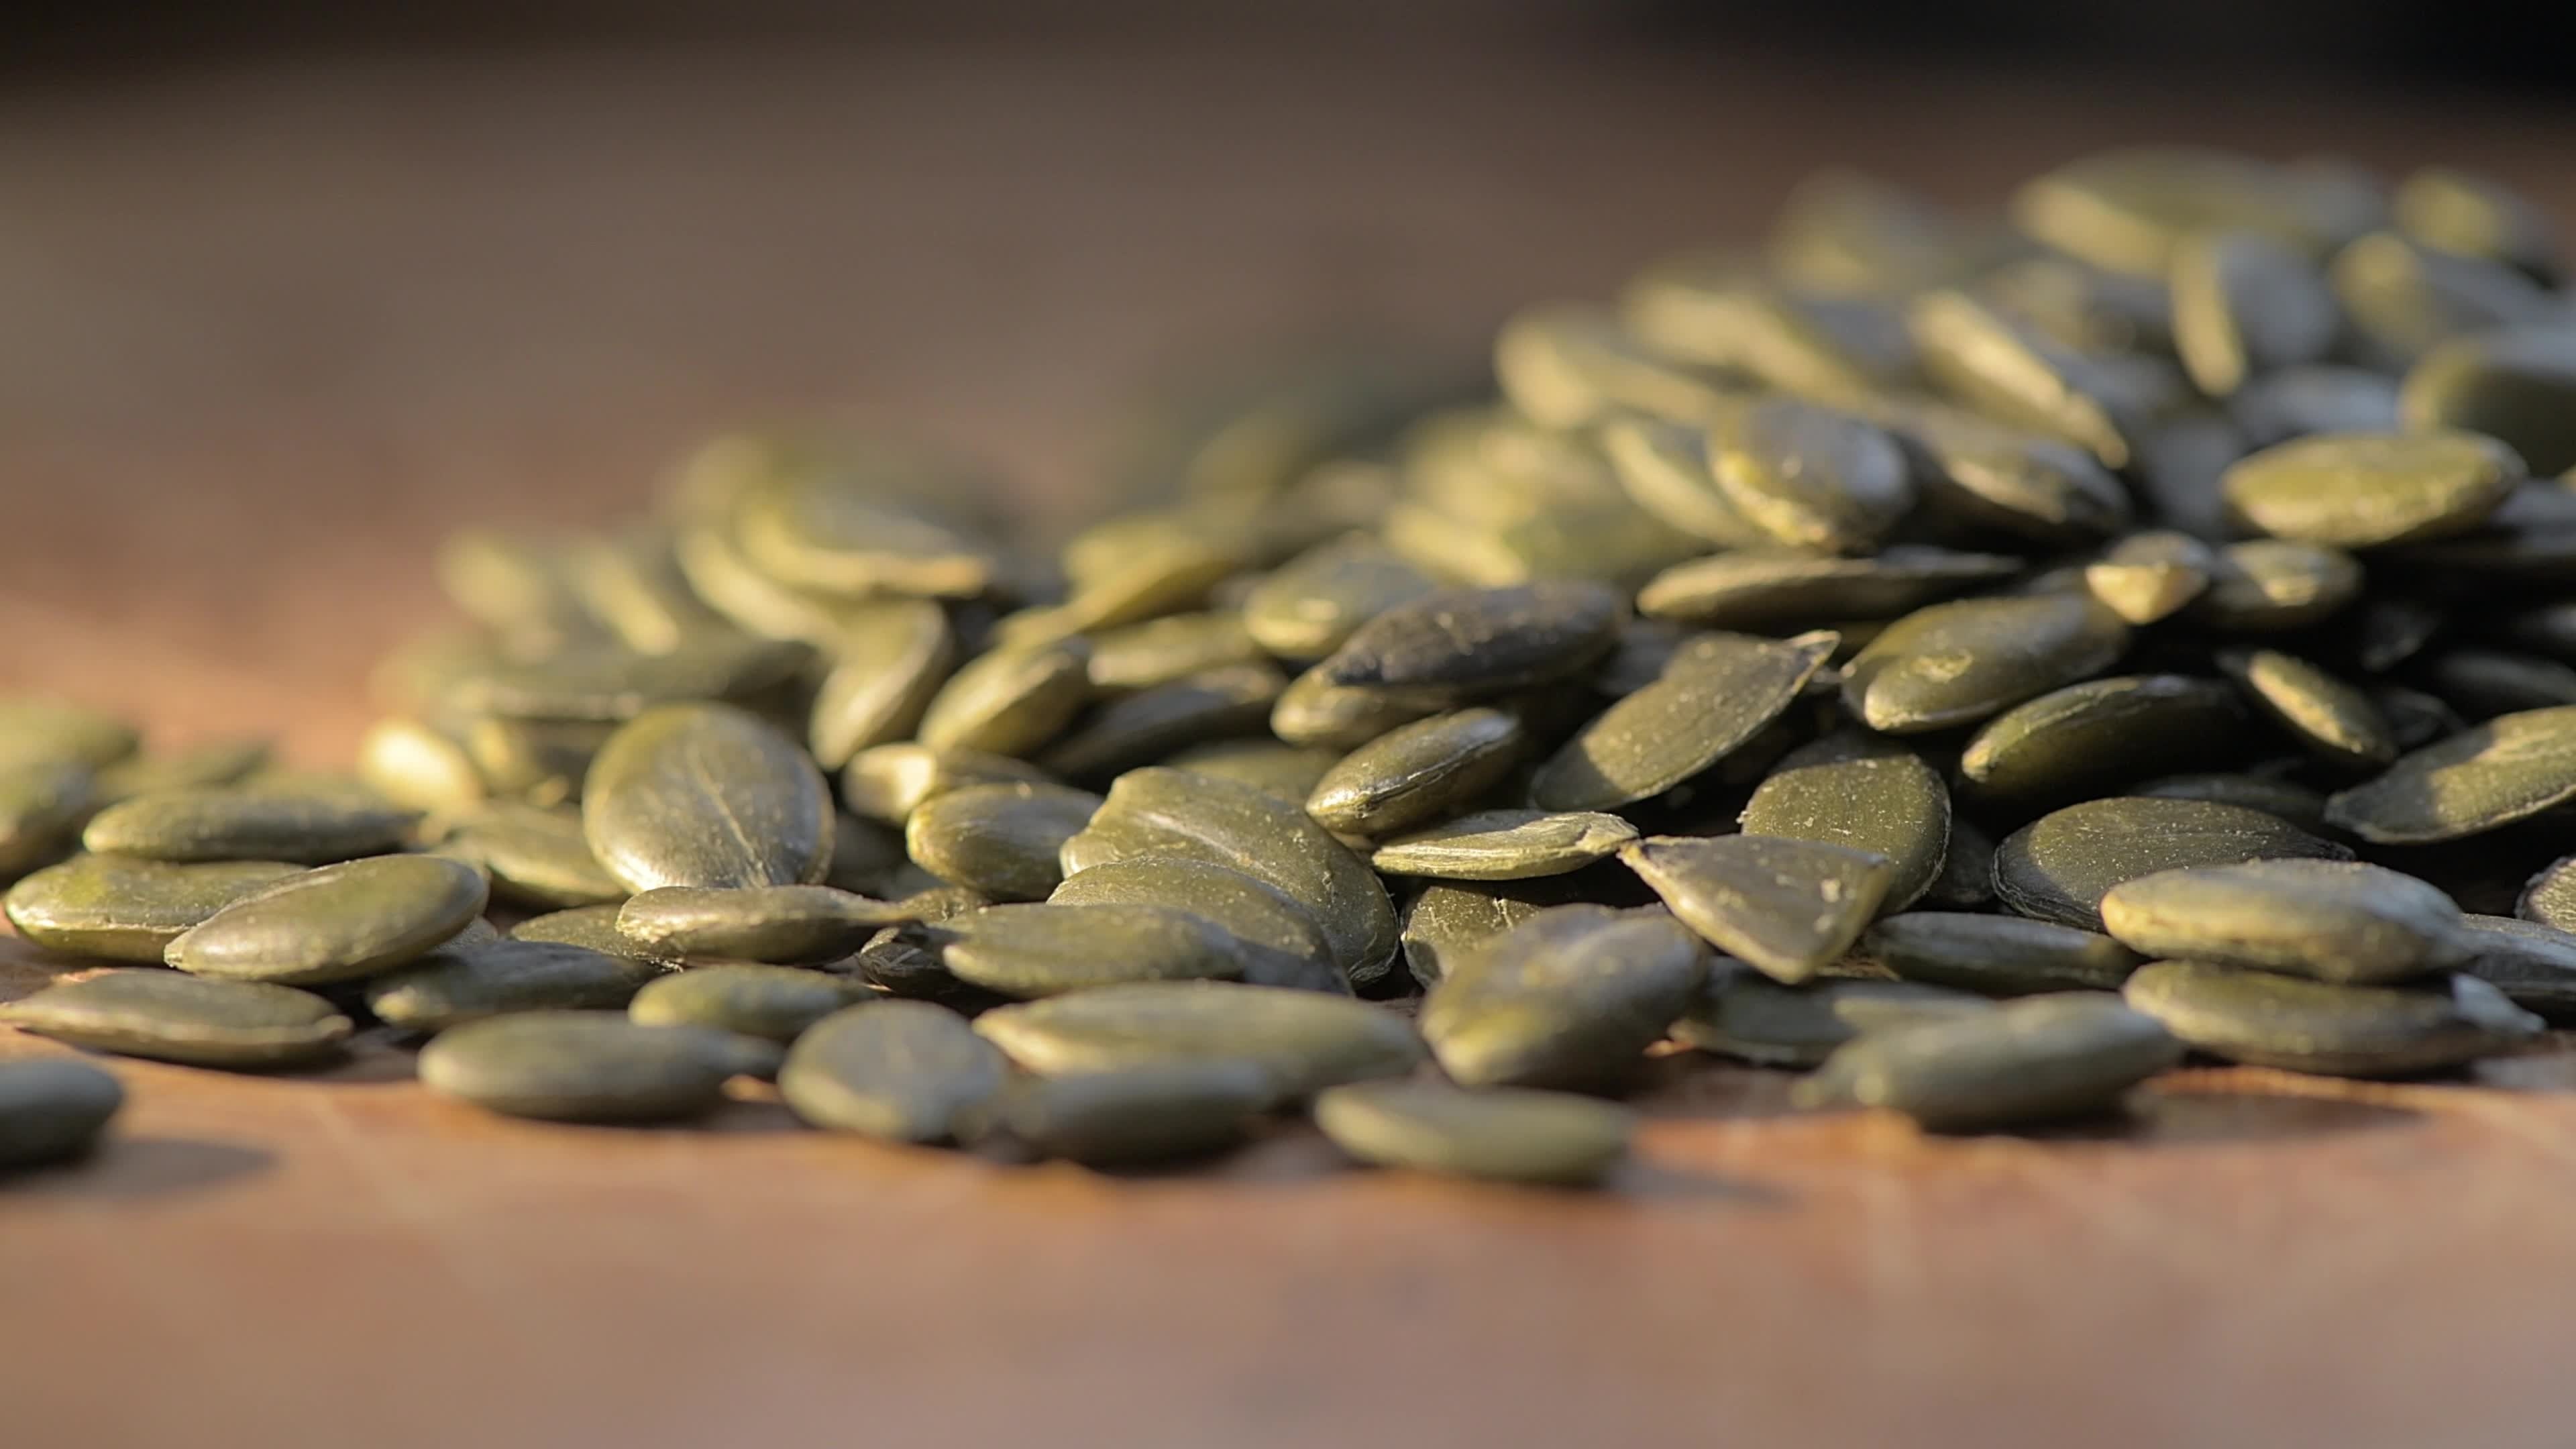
<point x="118" y="908"/>
<point x="1869" y="794"/>
<point x="1168" y="650"/>
<point x="1768" y="589"/>
<point x="706" y="795"/>
<point x="789" y="923"/>
<point x="2060" y="866"/>
<point x="1012" y="700"/>
<point x="165" y="1016"/>
<point x="307" y="826"/>
<point x="338" y="923"/>
<point x="52" y="1109"/>
<point x="903" y="1071"/>
<point x="890" y="659"/>
<point x="1280" y="942"/>
<point x="2038" y="1059"/>
<point x="460" y="983"/>
<point x="1747" y="1015"/>
<point x="1026" y="951"/>
<point x="1718" y="693"/>
<point x="2245" y="305"/>
<point x="999" y="840"/>
<point x="1307" y="607"/>
<point x="41" y="809"/>
<point x="1499" y="1134"/>
<point x="1505" y="845"/>
<point x="1996" y="955"/>
<point x="534" y="857"/>
<point x="775" y="1003"/>
<point x="1143" y="727"/>
<point x="1569" y="997"/>
<point x="1784" y="907"/>
<point x="1305" y="1042"/>
<point x="2363" y="490"/>
<point x="39" y="731"/>
<point x="2532" y="964"/>
<point x="2510" y="768"/>
<point x="591" y="927"/>
<point x="1955" y="664"/>
<point x="886" y="783"/>
<point x="1457" y="646"/>
<point x="581" y="1066"/>
<point x="1289" y="772"/>
<point x="2101" y="733"/>
<point x="2331" y="719"/>
<point x="1143" y="1114"/>
<point x="2337" y="921"/>
<point x="2264" y="1019"/>
<point x="1418" y="772"/>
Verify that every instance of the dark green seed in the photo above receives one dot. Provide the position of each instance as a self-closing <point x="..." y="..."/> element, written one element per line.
<point x="2147" y="577"/>
<point x="1311" y="711"/>
<point x="1747" y="1015"/>
<point x="1461" y="645"/>
<point x="1144" y="1114"/>
<point x="1811" y="477"/>
<point x="1505" y="845"/>
<point x="2532" y="964"/>
<point x="53" y="1109"/>
<point x="1773" y="589"/>
<point x="534" y="857"/>
<point x="619" y="684"/>
<point x="1280" y="941"/>
<point x="1143" y="727"/>
<point x="2338" y="921"/>
<point x="1498" y="1134"/>
<point x="1419" y="772"/>
<point x="2298" y="401"/>
<point x="2039" y="1059"/>
<point x="1967" y="878"/>
<point x="252" y="822"/>
<point x="118" y="908"/>
<point x="2510" y="768"/>
<point x="1308" y="606"/>
<point x="902" y="1071"/>
<point x="890" y="658"/>
<point x="460" y="983"/>
<point x="1666" y="470"/>
<point x="41" y="809"/>
<point x="1955" y="664"/>
<point x="1026" y="951"/>
<point x="1452" y="916"/>
<point x="592" y="927"/>
<point x="2266" y="585"/>
<point x="1001" y="841"/>
<point x="168" y="1017"/>
<point x="1167" y="650"/>
<point x="1996" y="955"/>
<point x="1290" y="772"/>
<point x="2550" y="896"/>
<point x="1306" y="1042"/>
<point x="793" y="923"/>
<point x="2265" y="1019"/>
<point x="338" y="923"/>
<point x="2245" y="305"/>
<point x="2293" y="802"/>
<point x="1990" y="476"/>
<point x="1718" y="693"/>
<point x="2101" y="733"/>
<point x="1570" y="997"/>
<point x="887" y="783"/>
<point x="2363" y="490"/>
<point x="2518" y="387"/>
<point x="1012" y="700"/>
<point x="2020" y="377"/>
<point x="2482" y="684"/>
<point x="582" y="1066"/>
<point x="811" y="528"/>
<point x="2331" y="719"/>
<point x="1785" y="907"/>
<point x="35" y="731"/>
<point x="706" y="795"/>
<point x="1869" y="794"/>
<point x="774" y="1003"/>
<point x="2058" y="867"/>
<point x="910" y="961"/>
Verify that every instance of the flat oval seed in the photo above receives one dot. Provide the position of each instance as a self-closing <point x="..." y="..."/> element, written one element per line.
<point x="2337" y="921"/>
<point x="2060" y="866"/>
<point x="619" y="684"/>
<point x="52" y="1110"/>
<point x="1461" y="645"/>
<point x="2360" y="490"/>
<point x="254" y="822"/>
<point x="2038" y="488"/>
<point x="1312" y="711"/>
<point x="902" y="1071"/>
<point x="2516" y="386"/>
<point x="1570" y="997"/>
<point x="1774" y="589"/>
<point x="2020" y="377"/>
<point x="337" y="923"/>
<point x="2532" y="964"/>
<point x="792" y="923"/>
<point x="1145" y="1114"/>
<point x="1811" y="477"/>
<point x="1012" y="700"/>
<point x="706" y="795"/>
<point x="1169" y="649"/>
<point x="1307" y="607"/>
<point x="1452" y="916"/>
<point x="887" y="783"/>
<point x="1306" y="1041"/>
<point x="1001" y="841"/>
<point x="2101" y="733"/>
<point x="774" y="1003"/>
<point x="217" y="762"/>
<point x="168" y="1017"/>
<point x="1418" y="772"/>
<point x="1281" y="943"/>
<point x="2245" y="305"/>
<point x="1747" y="1015"/>
<point x="593" y="927"/>
<point x="534" y="857"/>
<point x="1498" y="1134"/>
<point x="36" y="731"/>
<point x="832" y="534"/>
<point x="2265" y="1019"/>
<point x="1718" y="692"/>
<point x="1784" y="907"/>
<point x="1869" y="794"/>
<point x="1505" y="845"/>
<point x="457" y="984"/>
<point x="1026" y="951"/>
<point x="417" y="766"/>
<point x="891" y="656"/>
<point x="1143" y="727"/>
<point x="2150" y="576"/>
<point x="2264" y="585"/>
<point x="2550" y="896"/>
<point x="1565" y="365"/>
<point x="2331" y="719"/>
<point x="2510" y="768"/>
<point x="581" y="1066"/>
<point x="2127" y="210"/>
<point x="1274" y="767"/>
<point x="1168" y="812"/>
<point x="1996" y="955"/>
<point x="2473" y="216"/>
<point x="1664" y="466"/>
<point x="1955" y="664"/>
<point x="118" y="908"/>
<point x="2039" y="1059"/>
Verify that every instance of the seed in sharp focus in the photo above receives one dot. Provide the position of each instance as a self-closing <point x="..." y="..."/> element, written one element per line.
<point x="1314" y="712"/>
<point x="2102" y="733"/>
<point x="775" y="1003"/>
<point x="593" y="927"/>
<point x="2510" y="768"/>
<point x="119" y="908"/>
<point x="2265" y="1019"/>
<point x="338" y="923"/>
<point x="1996" y="955"/>
<point x="1568" y="998"/>
<point x="1505" y="845"/>
<point x="1448" y="917"/>
<point x="1012" y="700"/>
<point x="1307" y="1042"/>
<point x="2360" y="490"/>
<point x="1747" y="1015"/>
<point x="2338" y="921"/>
<point x="999" y="840"/>
<point x="467" y="982"/>
<point x="2549" y="897"/>
<point x="1462" y="645"/>
<point x="1027" y="951"/>
<point x="1718" y="692"/>
<point x="250" y="822"/>
<point x="1501" y="1134"/>
<point x="581" y="1066"/>
<point x="1784" y="907"/>
<point x="792" y="923"/>
<point x="1281" y="942"/>
<point x="1418" y="772"/>
<point x="2038" y="1059"/>
<point x="902" y="1071"/>
<point x="706" y="795"/>
<point x="1867" y="793"/>
<point x="169" y="1017"/>
<point x="1955" y="664"/>
<point x="53" y="1109"/>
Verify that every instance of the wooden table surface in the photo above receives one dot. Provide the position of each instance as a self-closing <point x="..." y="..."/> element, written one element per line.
<point x="263" y="334"/>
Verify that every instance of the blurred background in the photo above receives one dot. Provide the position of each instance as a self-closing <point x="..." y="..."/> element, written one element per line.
<point x="289" y="288"/>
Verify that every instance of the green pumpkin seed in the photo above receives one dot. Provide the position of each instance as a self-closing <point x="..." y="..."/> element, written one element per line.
<point x="1279" y="939"/>
<point x="1844" y="234"/>
<point x="2101" y="733"/>
<point x="1567" y="365"/>
<point x="1784" y="907"/>
<point x="1461" y="645"/>
<point x="2265" y="1019"/>
<point x="338" y="923"/>
<point x="2337" y="921"/>
<point x="2148" y="577"/>
<point x="999" y="840"/>
<point x="41" y="810"/>
<point x="892" y="656"/>
<point x="1306" y="1042"/>
<point x="1156" y="812"/>
<point x="1144" y="1114"/>
<point x="2532" y="964"/>
<point x="418" y="767"/>
<point x="1967" y="878"/>
<point x="1306" y="608"/>
<point x="2021" y="378"/>
<point x="887" y="783"/>
<point x="789" y="923"/>
<point x="121" y="909"/>
<point x="53" y="1109"/>
<point x="632" y="587"/>
<point x="815" y="529"/>
<point x="1012" y="700"/>
<point x="1717" y="312"/>
<point x="1026" y="951"/>
<point x="2266" y="585"/>
<point x="1419" y="772"/>
<point x="2517" y="387"/>
<point x="1667" y="472"/>
<point x="1314" y="713"/>
<point x="1498" y="1134"/>
<point x="2332" y="720"/>
<point x="2550" y="896"/>
<point x="2361" y="490"/>
<point x="1871" y="795"/>
<point x="1747" y="1015"/>
<point x="2244" y="305"/>
<point x="2293" y="802"/>
<point x="2510" y="768"/>
<point x="2039" y="1059"/>
<point x="2060" y="866"/>
<point x="2482" y="684"/>
<point x="1143" y="727"/>
<point x="217" y="762"/>
<point x="1289" y="772"/>
<point x="460" y="983"/>
<point x="1449" y="917"/>
<point x="2403" y="300"/>
<point x="308" y="826"/>
<point x="534" y="857"/>
<point x="619" y="684"/>
<point x="1570" y="997"/>
<point x="1996" y="955"/>
<point x="1505" y="845"/>
<point x="1718" y="693"/>
<point x="1991" y="476"/>
<point x="541" y="760"/>
<point x="1955" y="664"/>
<point x="1757" y="589"/>
<point x="706" y="795"/>
<point x="1165" y="576"/>
<point x="591" y="927"/>
<point x="1168" y="650"/>
<point x="165" y="1016"/>
<point x="37" y="731"/>
<point x="582" y="1066"/>
<point x="901" y="1071"/>
<point x="775" y="1003"/>
<point x="2130" y="209"/>
<point x="2473" y="216"/>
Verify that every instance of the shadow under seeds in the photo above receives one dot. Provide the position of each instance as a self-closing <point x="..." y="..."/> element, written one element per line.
<point x="137" y="1169"/>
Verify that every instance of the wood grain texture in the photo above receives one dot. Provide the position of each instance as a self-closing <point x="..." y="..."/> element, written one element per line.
<point x="268" y="332"/>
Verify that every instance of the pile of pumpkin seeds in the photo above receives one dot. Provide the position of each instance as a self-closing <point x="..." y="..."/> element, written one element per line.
<point x="1975" y="661"/>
